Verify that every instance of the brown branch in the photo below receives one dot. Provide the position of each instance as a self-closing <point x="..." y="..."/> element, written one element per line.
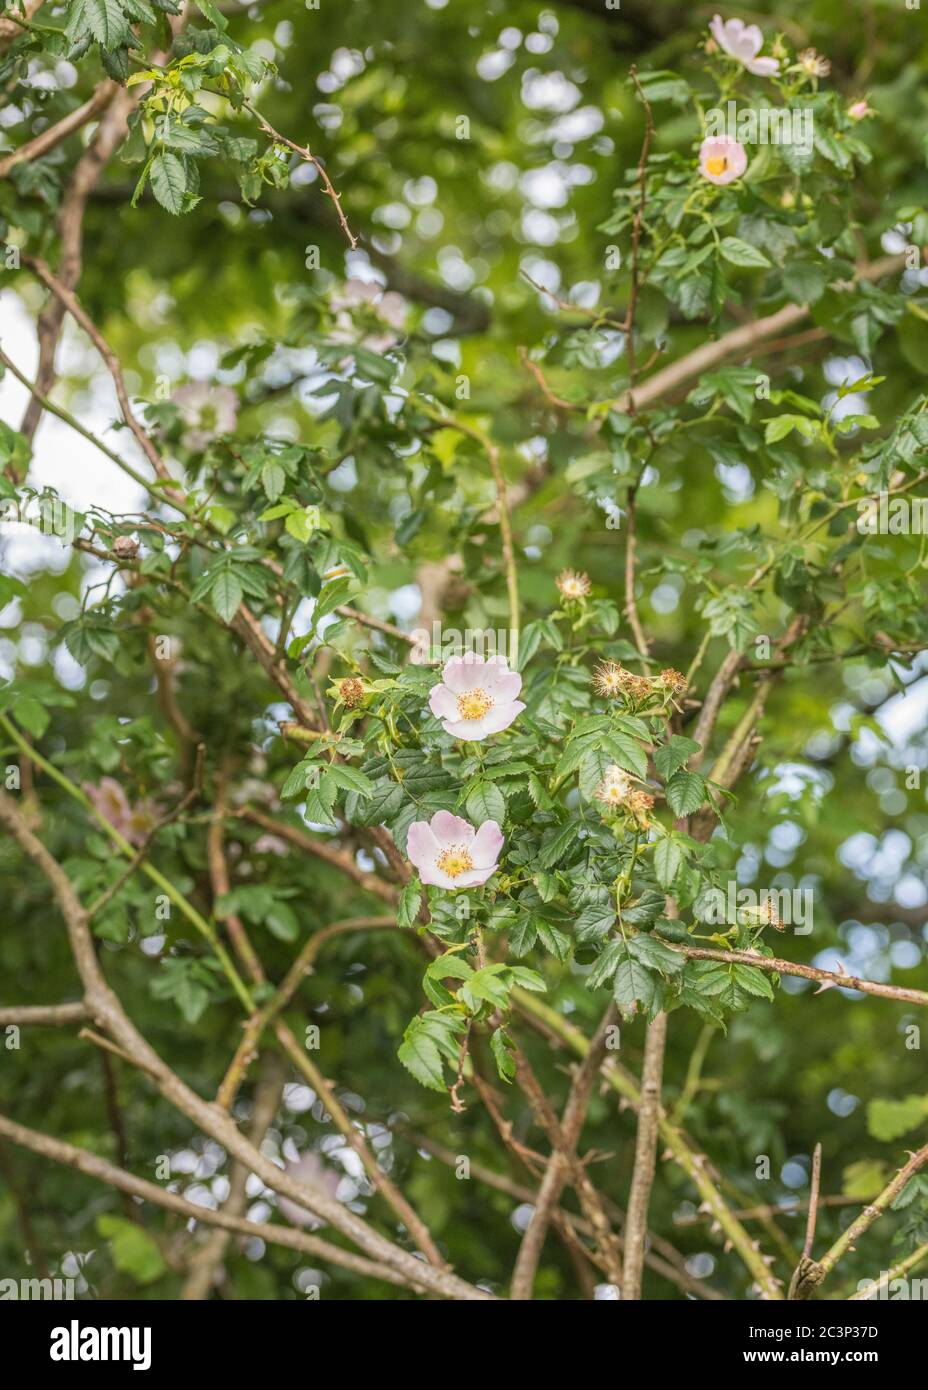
<point x="44" y="1015"/>
<point x="589" y="1198"/>
<point x="106" y="1008"/>
<point x="339" y="858"/>
<point x="298" y="1055"/>
<point x="811" y="1220"/>
<point x="739" y="341"/>
<point x="306" y="154"/>
<point x="204" y="1263"/>
<point x="95" y="1167"/>
<point x="812" y="1273"/>
<point x="110" y="133"/>
<point x="639" y="1197"/>
<point x="69" y="301"/>
<point x="61" y="130"/>
<point x="558" y="1168"/>
<point x="829" y="978"/>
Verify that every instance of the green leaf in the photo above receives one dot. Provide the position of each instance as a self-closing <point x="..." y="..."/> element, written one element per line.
<point x="407" y="910"/>
<point x="106" y="22"/>
<point x="215" y="16"/>
<point x="486" y="802"/>
<point x="273" y="479"/>
<point x="501" y="1045"/>
<point x="33" y="716"/>
<point x="656" y="954"/>
<point x="132" y="1248"/>
<point x="522" y="936"/>
<point x="753" y="980"/>
<point x="350" y="779"/>
<point x="627" y="754"/>
<point x="226" y="594"/>
<point x="554" y="940"/>
<point x="686" y="792"/>
<point x="281" y="921"/>
<point x="668" y="860"/>
<point x="889" y="1119"/>
<point x="674" y="754"/>
<point x="742" y="253"/>
<point x="420" y="1056"/>
<point x="553" y="850"/>
<point x="633" y="985"/>
<point x="169" y="182"/>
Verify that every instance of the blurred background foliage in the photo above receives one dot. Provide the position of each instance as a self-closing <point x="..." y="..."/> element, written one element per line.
<point x="381" y="91"/>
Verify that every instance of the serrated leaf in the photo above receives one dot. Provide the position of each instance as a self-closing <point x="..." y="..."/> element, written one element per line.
<point x="225" y="594"/>
<point x="627" y="753"/>
<point x="890" y="1119"/>
<point x="674" y="754"/>
<point x="554" y="849"/>
<point x="522" y="936"/>
<point x="486" y="802"/>
<point x="501" y="1046"/>
<point x="168" y="182"/>
<point x="742" y="253"/>
<point x="633" y="985"/>
<point x="656" y="954"/>
<point x="420" y="1056"/>
<point x="407" y="910"/>
<point x="753" y="980"/>
<point x="686" y="792"/>
<point x="668" y="860"/>
<point x="555" y="941"/>
<point x="106" y="22"/>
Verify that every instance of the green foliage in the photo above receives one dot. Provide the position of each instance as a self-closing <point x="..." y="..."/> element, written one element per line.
<point x="340" y="465"/>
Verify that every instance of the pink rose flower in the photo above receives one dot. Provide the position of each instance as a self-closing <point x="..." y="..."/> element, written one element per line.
<point x="133" y="822"/>
<point x="450" y="853"/>
<point x="859" y="110"/>
<point x="722" y="159"/>
<point x="743" y="42"/>
<point x="476" y="698"/>
<point x="207" y="411"/>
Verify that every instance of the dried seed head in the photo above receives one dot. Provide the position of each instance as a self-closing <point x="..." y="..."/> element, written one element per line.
<point x="352" y="691"/>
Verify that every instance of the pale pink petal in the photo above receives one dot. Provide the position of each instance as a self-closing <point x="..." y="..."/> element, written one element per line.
<point x="443" y="702"/>
<point x="463" y="673"/>
<point x="474" y="877"/>
<point x="763" y="67"/>
<point x="487" y="844"/>
<point x="421" y="845"/>
<point x="451" y="830"/>
<point x="506" y="687"/>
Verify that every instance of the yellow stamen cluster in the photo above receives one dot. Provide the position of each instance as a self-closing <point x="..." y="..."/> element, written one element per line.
<point x="572" y="585"/>
<point x="454" y="861"/>
<point x="474" y="704"/>
<point x="716" y="165"/>
<point x="615" y="787"/>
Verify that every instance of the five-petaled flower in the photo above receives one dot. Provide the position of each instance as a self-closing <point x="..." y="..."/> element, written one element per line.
<point x="722" y="159"/>
<point x="743" y="42"/>
<point x="450" y="853"/>
<point x="206" y="411"/>
<point x="476" y="697"/>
